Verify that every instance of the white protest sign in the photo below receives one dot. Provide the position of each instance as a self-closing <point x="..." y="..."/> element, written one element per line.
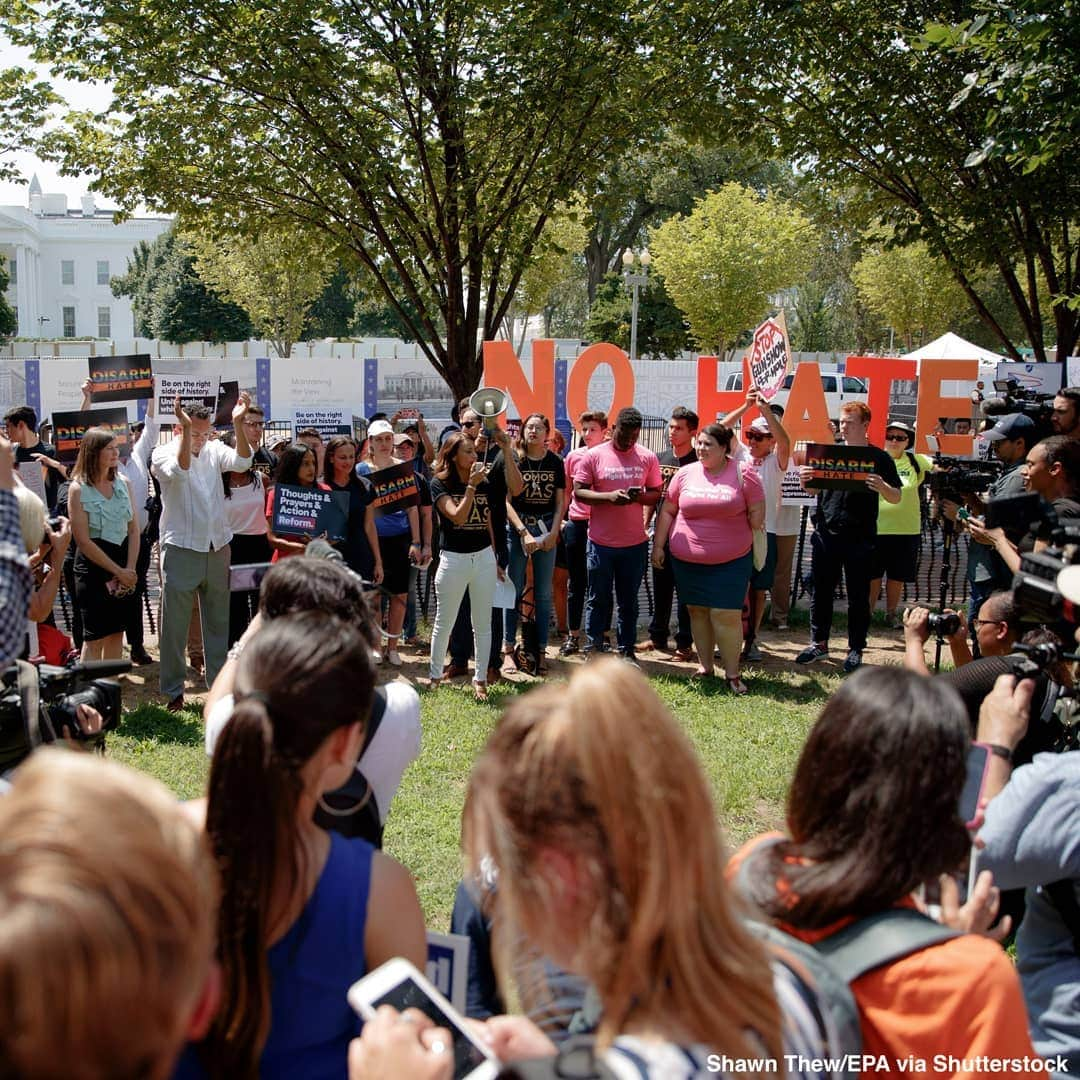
<point x="1073" y="369"/>
<point x="769" y="357"/>
<point x="792" y="493"/>
<point x="447" y="965"/>
<point x="193" y="390"/>
<point x="327" y="422"/>
<point x="32" y="477"/>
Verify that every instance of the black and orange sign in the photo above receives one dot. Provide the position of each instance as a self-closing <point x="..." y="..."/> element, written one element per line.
<point x="395" y="488"/>
<point x="839" y="468"/>
<point x="70" y="427"/>
<point x="121" y="378"/>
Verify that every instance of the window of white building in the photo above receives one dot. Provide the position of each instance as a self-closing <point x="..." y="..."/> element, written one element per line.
<point x="13" y="272"/>
<point x="104" y="322"/>
<point x="103" y="272"/>
<point x="69" y="321"/>
<point x="67" y="273"/>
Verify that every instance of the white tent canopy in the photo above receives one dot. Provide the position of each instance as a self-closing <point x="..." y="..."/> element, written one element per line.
<point x="951" y="346"/>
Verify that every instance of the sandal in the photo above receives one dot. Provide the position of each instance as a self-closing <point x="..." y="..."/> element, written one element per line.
<point x="480" y="690"/>
<point x="738" y="687"/>
<point x="510" y="664"/>
<point x="701" y="673"/>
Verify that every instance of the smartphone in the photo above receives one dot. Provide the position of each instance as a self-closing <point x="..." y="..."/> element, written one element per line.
<point x="634" y="492"/>
<point x="399" y="984"/>
<point x="978" y="765"/>
<point x="247" y="576"/>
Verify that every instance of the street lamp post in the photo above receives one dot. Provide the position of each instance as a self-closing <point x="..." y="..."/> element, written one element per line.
<point x="634" y="283"/>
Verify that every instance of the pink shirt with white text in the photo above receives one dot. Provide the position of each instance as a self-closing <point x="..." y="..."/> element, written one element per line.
<point x="711" y="525"/>
<point x="606" y="469"/>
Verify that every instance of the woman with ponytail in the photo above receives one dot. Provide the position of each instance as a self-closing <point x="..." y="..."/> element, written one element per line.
<point x="304" y="913"/>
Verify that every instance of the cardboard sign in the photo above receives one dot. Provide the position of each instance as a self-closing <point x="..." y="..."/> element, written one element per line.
<point x="769" y="357"/>
<point x="792" y="493"/>
<point x="395" y="488"/>
<point x="198" y="390"/>
<point x="327" y="422"/>
<point x="70" y="427"/>
<point x="839" y="468"/>
<point x="227" y="396"/>
<point x="32" y="477"/>
<point x="310" y="511"/>
<point x="121" y="378"/>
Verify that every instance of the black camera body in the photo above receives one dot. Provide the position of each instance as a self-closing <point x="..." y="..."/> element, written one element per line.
<point x="955" y="478"/>
<point x="944" y="623"/>
<point x="60" y="691"/>
<point x="1011" y="397"/>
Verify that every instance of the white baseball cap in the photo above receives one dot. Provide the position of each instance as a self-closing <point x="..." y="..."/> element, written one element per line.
<point x="380" y="427"/>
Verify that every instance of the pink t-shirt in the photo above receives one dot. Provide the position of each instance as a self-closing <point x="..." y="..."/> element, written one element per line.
<point x="606" y="469"/>
<point x="577" y="511"/>
<point x="710" y="525"/>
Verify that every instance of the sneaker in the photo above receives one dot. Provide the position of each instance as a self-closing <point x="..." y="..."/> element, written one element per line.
<point x="393" y="658"/>
<point x="140" y="656"/>
<point x="376" y="657"/>
<point x="853" y="661"/>
<point x="570" y="646"/>
<point x="606" y="646"/>
<point x="176" y="705"/>
<point x="781" y="626"/>
<point x="629" y="656"/>
<point x="811" y="653"/>
<point x="753" y="654"/>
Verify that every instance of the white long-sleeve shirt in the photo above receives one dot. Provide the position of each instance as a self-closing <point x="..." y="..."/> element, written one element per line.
<point x="193" y="499"/>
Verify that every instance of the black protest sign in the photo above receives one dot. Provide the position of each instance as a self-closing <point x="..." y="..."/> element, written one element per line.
<point x="839" y="468"/>
<point x="227" y="397"/>
<point x="121" y="378"/>
<point x="395" y="488"/>
<point x="70" y="427"/>
<point x="310" y="511"/>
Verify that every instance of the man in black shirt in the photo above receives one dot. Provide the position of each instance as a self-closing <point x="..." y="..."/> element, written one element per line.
<point x="262" y="460"/>
<point x="845" y="529"/>
<point x="682" y="427"/>
<point x="21" y="423"/>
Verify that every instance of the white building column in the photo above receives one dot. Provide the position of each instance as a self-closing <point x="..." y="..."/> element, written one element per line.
<point x="26" y="291"/>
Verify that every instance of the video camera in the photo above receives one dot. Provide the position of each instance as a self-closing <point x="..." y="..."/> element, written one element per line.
<point x="1013" y="398"/>
<point x="955" y="478"/>
<point x="1035" y="583"/>
<point x="59" y="691"/>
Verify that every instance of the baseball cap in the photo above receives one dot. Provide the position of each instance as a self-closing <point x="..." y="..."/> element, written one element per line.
<point x="1010" y="426"/>
<point x="404" y="437"/>
<point x="762" y="425"/>
<point x="1068" y="583"/>
<point x="380" y="427"/>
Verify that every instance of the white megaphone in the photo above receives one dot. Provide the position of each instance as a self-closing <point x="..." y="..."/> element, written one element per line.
<point x="489" y="403"/>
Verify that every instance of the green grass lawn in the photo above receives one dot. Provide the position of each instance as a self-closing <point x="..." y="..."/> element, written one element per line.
<point x="748" y="745"/>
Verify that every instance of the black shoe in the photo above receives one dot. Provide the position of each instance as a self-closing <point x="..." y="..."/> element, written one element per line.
<point x="176" y="705"/>
<point x="140" y="656"/>
<point x="814" y="652"/>
<point x="606" y="646"/>
<point x="629" y="657"/>
<point x="853" y="661"/>
<point x="570" y="646"/>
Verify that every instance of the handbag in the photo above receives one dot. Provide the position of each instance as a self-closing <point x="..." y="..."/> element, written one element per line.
<point x="760" y="540"/>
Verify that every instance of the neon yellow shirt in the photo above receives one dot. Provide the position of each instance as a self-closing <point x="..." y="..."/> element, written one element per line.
<point x="903" y="518"/>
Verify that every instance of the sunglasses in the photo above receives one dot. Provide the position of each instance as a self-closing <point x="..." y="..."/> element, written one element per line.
<point x="757" y="437"/>
<point x="896" y="438"/>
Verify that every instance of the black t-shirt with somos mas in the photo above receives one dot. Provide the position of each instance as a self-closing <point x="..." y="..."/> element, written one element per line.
<point x="542" y="479"/>
<point x="472" y="534"/>
<point x="670" y="465"/>
<point x="854" y="513"/>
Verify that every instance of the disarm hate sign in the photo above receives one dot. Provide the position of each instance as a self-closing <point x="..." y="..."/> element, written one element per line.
<point x="121" y="378"/>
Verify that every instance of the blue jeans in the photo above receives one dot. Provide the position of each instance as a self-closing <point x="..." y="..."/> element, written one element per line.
<point x="543" y="564"/>
<point x="623" y="568"/>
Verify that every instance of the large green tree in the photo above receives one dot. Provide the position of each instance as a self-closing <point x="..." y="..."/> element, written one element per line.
<point x="25" y="101"/>
<point x="662" y="333"/>
<point x="8" y="320"/>
<point x="724" y="262"/>
<point x="843" y="88"/>
<point x="275" y="273"/>
<point x="431" y="140"/>
<point x="170" y="301"/>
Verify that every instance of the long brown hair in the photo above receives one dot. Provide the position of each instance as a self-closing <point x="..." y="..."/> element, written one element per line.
<point x="87" y="464"/>
<point x="332" y="447"/>
<point x="448" y="452"/>
<point x="600" y="771"/>
<point x="873" y="807"/>
<point x="255" y="788"/>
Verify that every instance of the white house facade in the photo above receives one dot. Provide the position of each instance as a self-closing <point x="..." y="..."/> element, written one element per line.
<point x="59" y="263"/>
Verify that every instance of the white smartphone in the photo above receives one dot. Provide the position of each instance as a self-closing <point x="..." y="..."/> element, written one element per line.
<point x="399" y="984"/>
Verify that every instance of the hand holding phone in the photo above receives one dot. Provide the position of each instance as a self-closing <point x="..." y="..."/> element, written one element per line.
<point x="398" y="984"/>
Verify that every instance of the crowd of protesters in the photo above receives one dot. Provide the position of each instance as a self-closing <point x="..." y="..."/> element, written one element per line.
<point x="219" y="938"/>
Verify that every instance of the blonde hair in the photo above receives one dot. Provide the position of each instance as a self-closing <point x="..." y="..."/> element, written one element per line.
<point x="31" y="518"/>
<point x="107" y="903"/>
<point x="599" y="770"/>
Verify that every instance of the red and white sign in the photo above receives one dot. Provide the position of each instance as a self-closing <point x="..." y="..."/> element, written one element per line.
<point x="769" y="357"/>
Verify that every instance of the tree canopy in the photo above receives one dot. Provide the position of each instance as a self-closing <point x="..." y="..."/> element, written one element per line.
<point x="857" y="96"/>
<point x="432" y="141"/>
<point x="24" y="103"/>
<point x="725" y="261"/>
<point x="662" y="333"/>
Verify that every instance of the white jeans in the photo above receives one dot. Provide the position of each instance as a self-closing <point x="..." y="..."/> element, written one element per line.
<point x="475" y="571"/>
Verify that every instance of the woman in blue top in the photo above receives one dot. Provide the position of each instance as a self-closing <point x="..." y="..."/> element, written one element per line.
<point x="304" y="913"/>
<point x="106" y="533"/>
<point x="399" y="537"/>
